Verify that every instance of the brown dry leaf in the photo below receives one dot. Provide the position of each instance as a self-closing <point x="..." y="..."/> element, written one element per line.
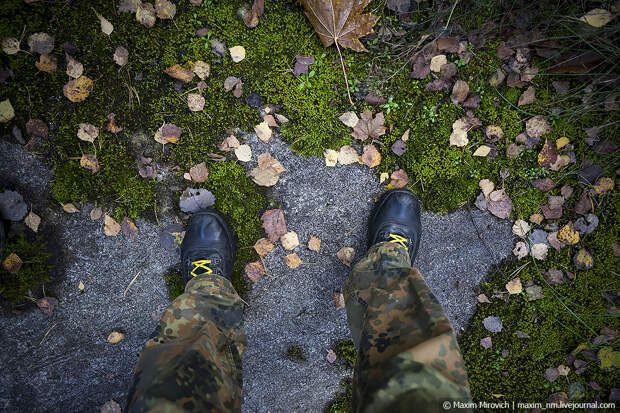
<point x="96" y="213"/>
<point x="106" y="26"/>
<point x="274" y="224"/>
<point x="128" y="6"/>
<point x="486" y="186"/>
<point x="514" y="286"/>
<point x="47" y="63"/>
<point x="74" y="68"/>
<point x="544" y="185"/>
<point x="371" y="156"/>
<point x="340" y="22"/>
<point x="47" y="305"/>
<point x="346" y="255"/>
<point x="265" y="177"/>
<point x="180" y="73"/>
<point x="339" y="301"/>
<point x="458" y="137"/>
<point x="539" y="251"/>
<point x="349" y="118"/>
<point x="520" y="228"/>
<point x="482" y="298"/>
<point x="520" y="250"/>
<point x="265" y="160"/>
<point x="548" y="155"/>
<point x="199" y="173"/>
<point x="41" y="43"/>
<point x="499" y="204"/>
<point x="129" y="228"/>
<point x="437" y="62"/>
<point x="12" y="263"/>
<point x="90" y="162"/>
<point x="331" y="157"/>
<point x="292" y="260"/>
<point x="195" y="102"/>
<point x="115" y="337"/>
<point x="290" y="240"/>
<point x="568" y="234"/>
<point x="87" y="132"/>
<point x="202" y="69"/>
<point x="165" y="10"/>
<point x="271" y="121"/>
<point x="263" y="246"/>
<point x="168" y="133"/>
<point x="264" y="132"/>
<point x="244" y="153"/>
<point x="10" y="45"/>
<point x="145" y="14"/>
<point x="76" y="90"/>
<point x="111" y="228"/>
<point x="314" y="244"/>
<point x="250" y="18"/>
<point x="254" y="270"/>
<point x="37" y="128"/>
<point x="536" y="218"/>
<point x="331" y="356"/>
<point x="112" y="406"/>
<point x="348" y="155"/>
<point x="121" y="56"/>
<point x="111" y="125"/>
<point x="70" y="208"/>
<point x="228" y="144"/>
<point x="367" y="127"/>
<point x="81" y="286"/>
<point x="459" y="92"/>
<point x="32" y="221"/>
<point x="237" y="53"/>
<point x="528" y="97"/>
<point x="603" y="185"/>
<point x="493" y="133"/>
<point x="537" y="126"/>
<point x="399" y="179"/>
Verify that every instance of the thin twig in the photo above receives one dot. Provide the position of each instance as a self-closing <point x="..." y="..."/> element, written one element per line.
<point x="346" y="80"/>
<point x="48" y="331"/>
<point x="131" y="283"/>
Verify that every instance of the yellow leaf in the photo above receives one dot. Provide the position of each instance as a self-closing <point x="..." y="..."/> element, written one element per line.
<point x="514" y="286"/>
<point x="331" y="157"/>
<point x="81" y="286"/>
<point x="237" y="53"/>
<point x="106" y="26"/>
<point x="115" y="337"/>
<point x="568" y="234"/>
<point x="562" y="142"/>
<point x="597" y="17"/>
<point x="603" y="185"/>
<point x="482" y="151"/>
<point x="292" y="260"/>
<point x="6" y="111"/>
<point x="76" y="90"/>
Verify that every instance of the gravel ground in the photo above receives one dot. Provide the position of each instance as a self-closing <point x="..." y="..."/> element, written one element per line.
<point x="63" y="362"/>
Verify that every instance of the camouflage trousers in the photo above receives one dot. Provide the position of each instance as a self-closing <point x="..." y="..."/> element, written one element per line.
<point x="407" y="352"/>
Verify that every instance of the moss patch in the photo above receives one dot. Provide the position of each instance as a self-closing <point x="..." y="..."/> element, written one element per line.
<point x="174" y="281"/>
<point x="343" y="402"/>
<point x="296" y="353"/>
<point x="34" y="271"/>
<point x="345" y="350"/>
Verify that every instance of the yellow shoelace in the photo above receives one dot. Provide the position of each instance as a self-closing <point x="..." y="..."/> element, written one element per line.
<point x="201" y="264"/>
<point x="397" y="239"/>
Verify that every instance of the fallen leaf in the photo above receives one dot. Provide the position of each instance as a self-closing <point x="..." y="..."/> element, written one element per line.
<point x="129" y="228"/>
<point x="458" y="137"/>
<point x="346" y="255"/>
<point x="548" y="155"/>
<point x="6" y="111"/>
<point x="265" y="160"/>
<point x="521" y="334"/>
<point x="371" y="156"/>
<point x="237" y="53"/>
<point x="459" y="92"/>
<point x="492" y="324"/>
<point x="111" y="406"/>
<point x="587" y="225"/>
<point x="529" y="73"/>
<point x="115" y="337"/>
<point x="551" y="374"/>
<point x="499" y="204"/>
<point x="274" y="224"/>
<point x="47" y="305"/>
<point x="340" y="22"/>
<point x="231" y="83"/>
<point x="171" y="237"/>
<point x="12" y="263"/>
<point x="399" y="179"/>
<point x="486" y="186"/>
<point x="264" y="177"/>
<point x="528" y="97"/>
<point x="493" y="133"/>
<point x="520" y="228"/>
<point x="521" y="250"/>
<point x="339" y="301"/>
<point x="195" y="102"/>
<point x="610" y="359"/>
<point x="486" y="342"/>
<point x="202" y="69"/>
<point x="47" y="63"/>
<point x="289" y="240"/>
<point x="437" y="62"/>
<point x="90" y="162"/>
<point x="482" y="298"/>
<point x="250" y="18"/>
<point x="199" y="173"/>
<point x="552" y="238"/>
<point x="96" y="213"/>
<point x="263" y="246"/>
<point x="254" y="271"/>
<point x="111" y="228"/>
<point x="281" y="118"/>
<point x="194" y="200"/>
<point x="314" y="244"/>
<point x="106" y="26"/>
<point x="421" y="68"/>
<point x="81" y="286"/>
<point x="349" y="118"/>
<point x="37" y="128"/>
<point x="331" y="157"/>
<point x="271" y="121"/>
<point x="145" y="14"/>
<point x="534" y="292"/>
<point x="76" y="90"/>
<point x="165" y="10"/>
<point x="348" y="155"/>
<point x="292" y="260"/>
<point x="121" y="56"/>
<point x="41" y="43"/>
<point x="10" y="45"/>
<point x="482" y="151"/>
<point x="554" y="276"/>
<point x="597" y="17"/>
<point x="537" y="126"/>
<point x="514" y="286"/>
<point x="539" y="251"/>
<point x="168" y="133"/>
<point x="367" y="127"/>
<point x="180" y="73"/>
<point x="128" y="6"/>
<point x="70" y="208"/>
<point x="537" y="218"/>
<point x="562" y="142"/>
<point x="228" y="144"/>
<point x="264" y="132"/>
<point x="87" y="132"/>
<point x="331" y="356"/>
<point x="112" y="126"/>
<point x="244" y="153"/>
<point x="497" y="78"/>
<point x="32" y="221"/>
<point x="603" y="185"/>
<point x="568" y="234"/>
<point x="544" y="185"/>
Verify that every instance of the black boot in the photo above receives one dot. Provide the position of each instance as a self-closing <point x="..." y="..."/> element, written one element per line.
<point x="208" y="246"/>
<point x="396" y="218"/>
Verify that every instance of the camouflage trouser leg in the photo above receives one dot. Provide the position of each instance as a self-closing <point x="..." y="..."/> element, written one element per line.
<point x="192" y="361"/>
<point x="408" y="356"/>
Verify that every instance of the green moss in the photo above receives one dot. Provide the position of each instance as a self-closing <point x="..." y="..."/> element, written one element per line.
<point x="296" y="353"/>
<point x="174" y="281"/>
<point x="345" y="350"/>
<point x="34" y="271"/>
<point x="343" y="402"/>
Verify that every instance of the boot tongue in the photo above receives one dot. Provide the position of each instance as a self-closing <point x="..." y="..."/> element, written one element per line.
<point x="396" y="238"/>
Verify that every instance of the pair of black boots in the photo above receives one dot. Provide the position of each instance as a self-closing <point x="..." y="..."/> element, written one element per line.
<point x="209" y="243"/>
